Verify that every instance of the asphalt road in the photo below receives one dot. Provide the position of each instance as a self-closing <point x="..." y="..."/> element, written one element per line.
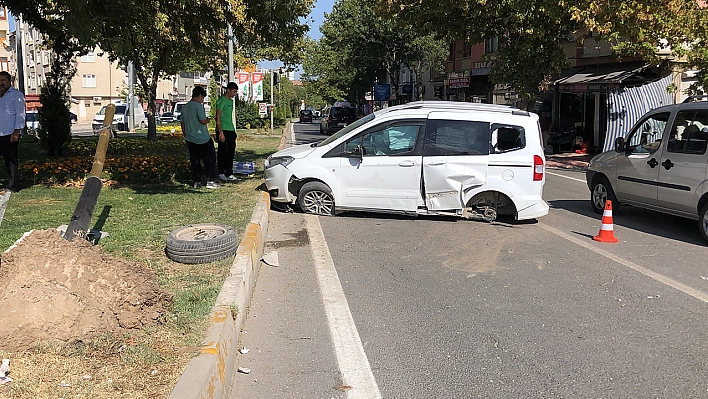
<point x="446" y="308"/>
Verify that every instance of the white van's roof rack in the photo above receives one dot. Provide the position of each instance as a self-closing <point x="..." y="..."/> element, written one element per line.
<point x="456" y="105"/>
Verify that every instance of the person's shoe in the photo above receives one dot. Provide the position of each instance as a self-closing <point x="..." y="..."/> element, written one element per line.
<point x="212" y="184"/>
<point x="197" y="184"/>
<point x="223" y="177"/>
<point x="232" y="178"/>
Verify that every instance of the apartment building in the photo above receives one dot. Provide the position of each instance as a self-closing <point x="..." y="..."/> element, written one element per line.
<point x="6" y="53"/>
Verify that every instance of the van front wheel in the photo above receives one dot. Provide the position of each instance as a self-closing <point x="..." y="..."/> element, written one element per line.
<point x="316" y="198"/>
<point x="600" y="193"/>
<point x="703" y="222"/>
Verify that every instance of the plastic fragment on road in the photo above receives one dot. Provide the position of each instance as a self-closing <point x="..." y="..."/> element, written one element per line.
<point x="271" y="259"/>
<point x="243" y="350"/>
<point x="244" y="370"/>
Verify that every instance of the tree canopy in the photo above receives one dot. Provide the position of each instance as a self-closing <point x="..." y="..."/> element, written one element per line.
<point x="164" y="37"/>
<point x="531" y="32"/>
<point x="359" y="47"/>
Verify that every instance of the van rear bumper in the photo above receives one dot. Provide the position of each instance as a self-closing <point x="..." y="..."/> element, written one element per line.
<point x="533" y="211"/>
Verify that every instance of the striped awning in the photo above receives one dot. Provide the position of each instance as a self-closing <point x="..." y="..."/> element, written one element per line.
<point x="627" y="104"/>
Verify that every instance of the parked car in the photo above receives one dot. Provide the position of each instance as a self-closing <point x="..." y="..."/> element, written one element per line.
<point x="305" y="116"/>
<point x="660" y="165"/>
<point x="31" y="122"/>
<point x="336" y="117"/>
<point x="73" y="118"/>
<point x="167" y="117"/>
<point x="475" y="161"/>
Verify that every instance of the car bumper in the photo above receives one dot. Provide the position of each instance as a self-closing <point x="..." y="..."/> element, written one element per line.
<point x="589" y="174"/>
<point x="533" y="211"/>
<point x="276" y="181"/>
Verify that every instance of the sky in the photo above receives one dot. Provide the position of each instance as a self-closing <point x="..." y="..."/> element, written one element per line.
<point x="314" y="21"/>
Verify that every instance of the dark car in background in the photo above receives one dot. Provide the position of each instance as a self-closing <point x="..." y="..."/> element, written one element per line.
<point x="335" y="118"/>
<point x="305" y="116"/>
<point x="167" y="117"/>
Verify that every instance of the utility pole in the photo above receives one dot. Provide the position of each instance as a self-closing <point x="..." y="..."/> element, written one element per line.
<point x="230" y="35"/>
<point x="272" y="103"/>
<point x="131" y="101"/>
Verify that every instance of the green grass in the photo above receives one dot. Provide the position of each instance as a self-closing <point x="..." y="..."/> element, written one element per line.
<point x="138" y="218"/>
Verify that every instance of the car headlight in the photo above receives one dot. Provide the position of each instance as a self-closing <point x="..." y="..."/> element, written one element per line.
<point x="272" y="161"/>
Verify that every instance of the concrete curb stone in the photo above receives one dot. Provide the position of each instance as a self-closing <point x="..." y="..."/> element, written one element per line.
<point x="210" y="374"/>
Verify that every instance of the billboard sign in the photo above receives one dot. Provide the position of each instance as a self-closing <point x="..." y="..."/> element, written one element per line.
<point x="257" y="86"/>
<point x="244" y="88"/>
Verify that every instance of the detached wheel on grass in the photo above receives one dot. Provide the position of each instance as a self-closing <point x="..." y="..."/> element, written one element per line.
<point x="201" y="243"/>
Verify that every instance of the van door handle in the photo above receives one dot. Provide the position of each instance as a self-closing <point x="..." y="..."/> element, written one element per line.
<point x="406" y="163"/>
<point x="652" y="162"/>
<point x="437" y="163"/>
<point x="667" y="164"/>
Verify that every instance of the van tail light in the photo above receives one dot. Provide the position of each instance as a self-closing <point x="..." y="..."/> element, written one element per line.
<point x="537" y="168"/>
<point x="329" y="118"/>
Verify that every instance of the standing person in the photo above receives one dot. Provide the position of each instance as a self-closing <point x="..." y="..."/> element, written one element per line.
<point x="546" y="126"/>
<point x="12" y="120"/>
<point x="194" y="122"/>
<point x="226" y="131"/>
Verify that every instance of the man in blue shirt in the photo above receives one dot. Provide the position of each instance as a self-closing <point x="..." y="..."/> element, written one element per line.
<point x="196" y="133"/>
<point x="12" y="120"/>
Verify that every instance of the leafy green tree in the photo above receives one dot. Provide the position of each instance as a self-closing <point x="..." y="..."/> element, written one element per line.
<point x="359" y="47"/>
<point x="162" y="38"/>
<point x="531" y="32"/>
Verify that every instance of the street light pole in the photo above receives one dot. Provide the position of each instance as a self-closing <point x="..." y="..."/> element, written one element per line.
<point x="272" y="103"/>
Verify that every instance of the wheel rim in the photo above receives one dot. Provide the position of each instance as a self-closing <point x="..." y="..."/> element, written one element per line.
<point x="599" y="196"/>
<point x="318" y="202"/>
<point x="201" y="233"/>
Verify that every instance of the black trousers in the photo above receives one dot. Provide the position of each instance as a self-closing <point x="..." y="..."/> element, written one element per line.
<point x="202" y="153"/>
<point x="9" y="153"/>
<point x="226" y="154"/>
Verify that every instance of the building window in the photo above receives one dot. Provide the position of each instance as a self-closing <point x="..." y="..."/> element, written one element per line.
<point x="466" y="50"/>
<point x="89" y="80"/>
<point x="4" y="64"/>
<point x="3" y="12"/>
<point x="491" y="45"/>
<point x="88" y="57"/>
<point x="33" y="81"/>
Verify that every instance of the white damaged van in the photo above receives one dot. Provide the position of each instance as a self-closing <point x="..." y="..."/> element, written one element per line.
<point x="475" y="161"/>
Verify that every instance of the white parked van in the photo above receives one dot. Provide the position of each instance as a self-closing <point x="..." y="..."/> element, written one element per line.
<point x="177" y="111"/>
<point x="121" y="119"/>
<point x="436" y="158"/>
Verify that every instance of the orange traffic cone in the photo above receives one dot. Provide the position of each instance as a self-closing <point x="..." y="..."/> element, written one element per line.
<point x="607" y="229"/>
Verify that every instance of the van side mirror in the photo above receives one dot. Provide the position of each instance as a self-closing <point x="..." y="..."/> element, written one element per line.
<point x="358" y="152"/>
<point x="619" y="144"/>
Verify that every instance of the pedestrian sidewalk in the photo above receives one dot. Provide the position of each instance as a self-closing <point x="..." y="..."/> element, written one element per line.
<point x="569" y="161"/>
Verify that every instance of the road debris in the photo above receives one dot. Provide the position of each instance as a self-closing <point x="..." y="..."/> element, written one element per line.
<point x="271" y="259"/>
<point x="243" y="350"/>
<point x="244" y="370"/>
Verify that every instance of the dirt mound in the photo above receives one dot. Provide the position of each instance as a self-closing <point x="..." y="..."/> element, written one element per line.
<point x="51" y="288"/>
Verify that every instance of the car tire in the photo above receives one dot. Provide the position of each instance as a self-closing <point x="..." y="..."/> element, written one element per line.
<point x="703" y="222"/>
<point x="201" y="243"/>
<point x="316" y="198"/>
<point x="601" y="192"/>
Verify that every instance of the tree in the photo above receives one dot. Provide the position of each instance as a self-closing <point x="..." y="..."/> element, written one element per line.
<point x="165" y="37"/>
<point x="360" y="47"/>
<point x="530" y="33"/>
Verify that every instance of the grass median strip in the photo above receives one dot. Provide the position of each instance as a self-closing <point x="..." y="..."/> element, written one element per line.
<point x="138" y="206"/>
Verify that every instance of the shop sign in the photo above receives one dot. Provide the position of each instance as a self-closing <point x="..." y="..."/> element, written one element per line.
<point x="480" y="71"/>
<point x="457" y="83"/>
<point x="382" y="92"/>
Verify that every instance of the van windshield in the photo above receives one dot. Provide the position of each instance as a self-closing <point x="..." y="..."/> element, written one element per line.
<point x="347" y="129"/>
<point x="120" y="109"/>
<point x="31" y="117"/>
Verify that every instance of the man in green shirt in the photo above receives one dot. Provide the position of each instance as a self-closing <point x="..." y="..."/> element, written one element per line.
<point x="196" y="133"/>
<point x="226" y="132"/>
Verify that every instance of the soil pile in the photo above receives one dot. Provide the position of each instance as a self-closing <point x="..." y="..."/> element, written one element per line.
<point x="51" y="288"/>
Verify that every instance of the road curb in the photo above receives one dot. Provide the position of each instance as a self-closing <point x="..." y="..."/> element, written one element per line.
<point x="210" y="375"/>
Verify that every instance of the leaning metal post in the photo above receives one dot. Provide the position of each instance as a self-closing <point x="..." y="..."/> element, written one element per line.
<point x="78" y="225"/>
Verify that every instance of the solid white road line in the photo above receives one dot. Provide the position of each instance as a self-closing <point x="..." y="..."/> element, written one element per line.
<point x="353" y="364"/>
<point x="641" y="269"/>
<point x="567" y="177"/>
